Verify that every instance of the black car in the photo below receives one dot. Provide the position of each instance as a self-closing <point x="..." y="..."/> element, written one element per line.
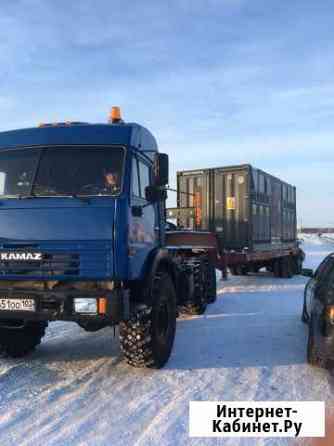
<point x="318" y="313"/>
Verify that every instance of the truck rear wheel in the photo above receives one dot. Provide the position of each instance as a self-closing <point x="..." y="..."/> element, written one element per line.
<point x="147" y="337"/>
<point x="17" y="341"/>
<point x="196" y="299"/>
<point x="211" y="284"/>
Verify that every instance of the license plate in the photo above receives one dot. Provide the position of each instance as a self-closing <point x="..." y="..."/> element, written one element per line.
<point x="17" y="305"/>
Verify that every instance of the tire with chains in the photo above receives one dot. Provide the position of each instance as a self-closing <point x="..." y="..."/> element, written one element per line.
<point x="137" y="334"/>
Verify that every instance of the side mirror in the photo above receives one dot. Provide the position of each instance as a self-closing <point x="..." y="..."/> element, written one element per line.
<point x="307" y="272"/>
<point x="153" y="194"/>
<point x="161" y="169"/>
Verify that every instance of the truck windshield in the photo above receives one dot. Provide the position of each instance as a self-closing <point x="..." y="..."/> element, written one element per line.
<point x="61" y="171"/>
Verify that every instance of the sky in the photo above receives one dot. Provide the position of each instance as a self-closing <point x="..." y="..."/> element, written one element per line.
<point x="218" y="82"/>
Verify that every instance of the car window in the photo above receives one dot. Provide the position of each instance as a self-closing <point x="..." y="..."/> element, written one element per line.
<point x="329" y="279"/>
<point x="325" y="269"/>
<point x="324" y="279"/>
<point x="135" y="180"/>
<point x="144" y="175"/>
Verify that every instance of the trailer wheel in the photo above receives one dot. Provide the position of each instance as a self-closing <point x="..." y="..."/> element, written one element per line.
<point x="196" y="299"/>
<point x="287" y="267"/>
<point x="298" y="264"/>
<point x="270" y="268"/>
<point x="255" y="269"/>
<point x="277" y="268"/>
<point x="292" y="266"/>
<point x="283" y="268"/>
<point x="244" y="270"/>
<point x="147" y="338"/>
<point x="211" y="284"/>
<point x="234" y="270"/>
<point x="239" y="270"/>
<point x="18" y="339"/>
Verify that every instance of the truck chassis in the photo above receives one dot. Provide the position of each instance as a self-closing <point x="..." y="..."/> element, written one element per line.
<point x="182" y="280"/>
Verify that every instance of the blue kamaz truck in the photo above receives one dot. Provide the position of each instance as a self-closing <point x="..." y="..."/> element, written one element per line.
<point x="83" y="238"/>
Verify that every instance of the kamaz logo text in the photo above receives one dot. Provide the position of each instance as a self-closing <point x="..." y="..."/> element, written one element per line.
<point x="17" y="256"/>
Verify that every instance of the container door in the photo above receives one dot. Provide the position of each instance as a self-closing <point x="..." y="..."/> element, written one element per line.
<point x="232" y="207"/>
<point x="193" y="192"/>
<point x="276" y="212"/>
<point x="219" y="204"/>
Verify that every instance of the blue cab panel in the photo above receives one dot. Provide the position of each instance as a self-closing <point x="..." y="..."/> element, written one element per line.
<point x="133" y="135"/>
<point x="79" y="239"/>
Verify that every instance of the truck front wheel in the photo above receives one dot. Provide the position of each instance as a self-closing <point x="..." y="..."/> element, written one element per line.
<point x="18" y="339"/>
<point x="147" y="338"/>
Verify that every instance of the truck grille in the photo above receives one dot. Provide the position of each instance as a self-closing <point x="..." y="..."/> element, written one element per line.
<point x="57" y="260"/>
<point x="50" y="265"/>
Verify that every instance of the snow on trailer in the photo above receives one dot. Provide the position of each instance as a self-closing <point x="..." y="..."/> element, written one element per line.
<point x="251" y="213"/>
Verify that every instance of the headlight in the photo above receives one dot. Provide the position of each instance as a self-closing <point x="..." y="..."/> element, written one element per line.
<point x="85" y="305"/>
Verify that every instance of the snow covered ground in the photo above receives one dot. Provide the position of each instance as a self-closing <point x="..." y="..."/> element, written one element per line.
<point x="250" y="345"/>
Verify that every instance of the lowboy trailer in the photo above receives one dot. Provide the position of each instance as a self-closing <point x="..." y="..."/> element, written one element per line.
<point x="251" y="213"/>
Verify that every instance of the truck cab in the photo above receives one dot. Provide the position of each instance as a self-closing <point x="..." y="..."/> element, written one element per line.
<point x="82" y="230"/>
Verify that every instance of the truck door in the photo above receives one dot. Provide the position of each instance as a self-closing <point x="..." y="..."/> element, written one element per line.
<point x="143" y="225"/>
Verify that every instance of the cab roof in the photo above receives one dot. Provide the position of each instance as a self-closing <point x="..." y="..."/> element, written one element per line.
<point x="129" y="134"/>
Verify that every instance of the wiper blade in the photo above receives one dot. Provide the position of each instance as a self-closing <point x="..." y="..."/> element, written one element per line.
<point x="67" y="195"/>
<point x="78" y="197"/>
<point x="24" y="197"/>
<point x="29" y="197"/>
<point x="18" y="197"/>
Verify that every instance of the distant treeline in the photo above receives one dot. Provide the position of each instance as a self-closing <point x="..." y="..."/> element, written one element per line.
<point x="316" y="230"/>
